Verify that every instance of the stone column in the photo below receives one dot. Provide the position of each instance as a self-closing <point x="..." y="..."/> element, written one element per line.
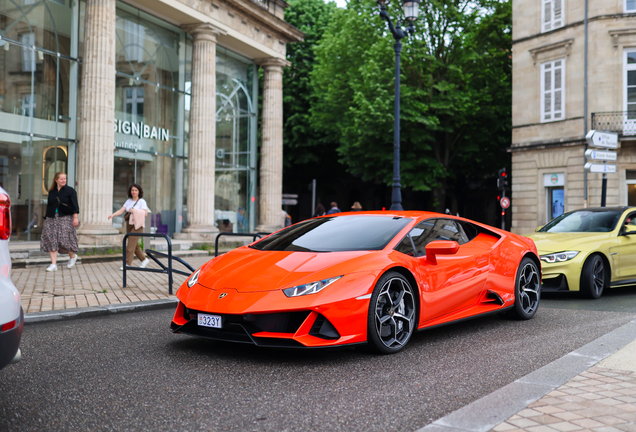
<point x="96" y="147"/>
<point x="201" y="153"/>
<point x="270" y="199"/>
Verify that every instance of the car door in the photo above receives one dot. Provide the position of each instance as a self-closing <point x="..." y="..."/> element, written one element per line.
<point x="455" y="281"/>
<point x="624" y="253"/>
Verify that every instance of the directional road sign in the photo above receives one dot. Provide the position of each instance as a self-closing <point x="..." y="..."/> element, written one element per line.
<point x="600" y="168"/>
<point x="600" y="155"/>
<point x="602" y="139"/>
<point x="504" y="202"/>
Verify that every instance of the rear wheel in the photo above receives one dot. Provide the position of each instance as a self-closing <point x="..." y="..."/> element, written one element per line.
<point x="593" y="277"/>
<point x="392" y="313"/>
<point x="527" y="290"/>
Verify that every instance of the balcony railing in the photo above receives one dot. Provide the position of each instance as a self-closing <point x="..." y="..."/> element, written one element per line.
<point x="621" y="122"/>
<point x="262" y="3"/>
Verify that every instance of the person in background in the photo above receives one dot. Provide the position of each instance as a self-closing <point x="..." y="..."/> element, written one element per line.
<point x="285" y="219"/>
<point x="240" y="219"/>
<point x="320" y="210"/>
<point x="356" y="206"/>
<point x="334" y="208"/>
<point x="58" y="232"/>
<point x="134" y="204"/>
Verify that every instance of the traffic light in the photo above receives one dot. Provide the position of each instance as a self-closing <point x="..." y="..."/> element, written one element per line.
<point x="502" y="179"/>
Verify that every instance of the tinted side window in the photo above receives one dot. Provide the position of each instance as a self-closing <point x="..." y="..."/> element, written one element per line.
<point x="406" y="246"/>
<point x="430" y="230"/>
<point x="470" y="230"/>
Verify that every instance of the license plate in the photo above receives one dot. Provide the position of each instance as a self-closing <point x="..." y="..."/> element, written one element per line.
<point x="205" y="320"/>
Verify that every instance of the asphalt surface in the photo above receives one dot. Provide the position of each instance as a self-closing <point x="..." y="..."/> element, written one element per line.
<point x="127" y="371"/>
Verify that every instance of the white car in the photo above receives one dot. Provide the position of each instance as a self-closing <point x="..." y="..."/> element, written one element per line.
<point x="11" y="314"/>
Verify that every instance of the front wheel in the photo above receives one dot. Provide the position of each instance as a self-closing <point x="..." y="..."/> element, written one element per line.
<point x="527" y="290"/>
<point x="593" y="277"/>
<point x="392" y="313"/>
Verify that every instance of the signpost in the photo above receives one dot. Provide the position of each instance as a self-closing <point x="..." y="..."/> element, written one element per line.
<point x="608" y="140"/>
<point x="602" y="139"/>
<point x="290" y="199"/>
<point x="600" y="155"/>
<point x="504" y="202"/>
<point x="600" y="168"/>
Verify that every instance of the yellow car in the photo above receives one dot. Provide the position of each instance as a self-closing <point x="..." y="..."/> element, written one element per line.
<point x="588" y="250"/>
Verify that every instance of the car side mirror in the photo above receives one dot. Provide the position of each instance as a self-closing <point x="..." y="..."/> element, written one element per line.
<point x="440" y="247"/>
<point x="629" y="229"/>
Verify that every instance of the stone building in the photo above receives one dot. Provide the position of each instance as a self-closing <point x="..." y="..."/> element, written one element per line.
<point x="551" y="112"/>
<point x="163" y="93"/>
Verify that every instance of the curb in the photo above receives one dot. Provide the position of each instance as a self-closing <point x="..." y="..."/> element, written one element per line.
<point x="487" y="412"/>
<point x="96" y="311"/>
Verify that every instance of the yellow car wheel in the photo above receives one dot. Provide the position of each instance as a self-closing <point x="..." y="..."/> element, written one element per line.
<point x="593" y="277"/>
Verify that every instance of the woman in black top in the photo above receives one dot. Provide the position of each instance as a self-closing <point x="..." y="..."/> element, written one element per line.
<point x="58" y="233"/>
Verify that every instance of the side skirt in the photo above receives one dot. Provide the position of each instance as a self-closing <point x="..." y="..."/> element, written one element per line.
<point x="466" y="319"/>
<point x="623" y="283"/>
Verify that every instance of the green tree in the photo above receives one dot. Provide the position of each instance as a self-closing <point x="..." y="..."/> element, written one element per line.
<point x="456" y="92"/>
<point x="304" y="144"/>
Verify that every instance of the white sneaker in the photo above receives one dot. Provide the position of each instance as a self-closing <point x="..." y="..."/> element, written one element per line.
<point x="52" y="267"/>
<point x="71" y="262"/>
<point x="144" y="263"/>
<point x="121" y="268"/>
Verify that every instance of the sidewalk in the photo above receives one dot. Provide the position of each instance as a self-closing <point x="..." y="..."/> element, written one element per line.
<point x="590" y="389"/>
<point x="91" y="285"/>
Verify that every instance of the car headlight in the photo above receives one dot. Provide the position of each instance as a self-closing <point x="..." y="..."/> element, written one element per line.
<point x="310" y="288"/>
<point x="559" y="256"/>
<point x="193" y="279"/>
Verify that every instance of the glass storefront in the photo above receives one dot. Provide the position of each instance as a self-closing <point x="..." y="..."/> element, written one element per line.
<point x="40" y="42"/>
<point x="152" y="61"/>
<point x="152" y="123"/>
<point x="38" y="100"/>
<point x="235" y="142"/>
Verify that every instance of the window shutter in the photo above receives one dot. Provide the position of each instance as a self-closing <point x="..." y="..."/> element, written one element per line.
<point x="557" y="18"/>
<point x="547" y="15"/>
<point x="558" y="90"/>
<point x="552" y="15"/>
<point x="552" y="90"/>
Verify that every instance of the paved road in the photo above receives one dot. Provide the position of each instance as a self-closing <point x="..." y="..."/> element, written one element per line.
<point x="128" y="372"/>
<point x="613" y="300"/>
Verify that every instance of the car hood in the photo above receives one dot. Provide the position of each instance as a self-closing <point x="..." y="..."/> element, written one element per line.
<point x="251" y="270"/>
<point x="559" y="242"/>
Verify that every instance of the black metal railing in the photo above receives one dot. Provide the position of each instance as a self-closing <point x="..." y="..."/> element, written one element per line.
<point x="621" y="122"/>
<point x="229" y="234"/>
<point x="153" y="255"/>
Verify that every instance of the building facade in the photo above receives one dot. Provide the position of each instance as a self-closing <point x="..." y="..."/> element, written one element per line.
<point x="163" y="93"/>
<point x="557" y="99"/>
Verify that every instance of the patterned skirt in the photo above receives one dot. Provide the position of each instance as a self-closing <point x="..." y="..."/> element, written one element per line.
<point x="58" y="234"/>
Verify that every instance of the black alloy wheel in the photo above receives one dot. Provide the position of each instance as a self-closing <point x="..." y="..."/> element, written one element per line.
<point x="527" y="290"/>
<point x="392" y="313"/>
<point x="593" y="277"/>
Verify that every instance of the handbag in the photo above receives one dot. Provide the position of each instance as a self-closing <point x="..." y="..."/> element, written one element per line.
<point x="127" y="214"/>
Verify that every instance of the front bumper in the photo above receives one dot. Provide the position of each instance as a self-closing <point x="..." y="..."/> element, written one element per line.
<point x="10" y="343"/>
<point x="563" y="276"/>
<point x="295" y="329"/>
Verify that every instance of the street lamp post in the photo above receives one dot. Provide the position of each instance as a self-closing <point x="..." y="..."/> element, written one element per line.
<point x="411" y="9"/>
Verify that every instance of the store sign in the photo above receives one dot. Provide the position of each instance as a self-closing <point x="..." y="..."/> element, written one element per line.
<point x="141" y="130"/>
<point x="554" y="179"/>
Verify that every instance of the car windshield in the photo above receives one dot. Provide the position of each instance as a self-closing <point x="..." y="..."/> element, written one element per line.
<point x="584" y="221"/>
<point x="335" y="234"/>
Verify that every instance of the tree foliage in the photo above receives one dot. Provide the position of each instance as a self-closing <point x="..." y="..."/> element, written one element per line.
<point x="303" y="142"/>
<point x="455" y="85"/>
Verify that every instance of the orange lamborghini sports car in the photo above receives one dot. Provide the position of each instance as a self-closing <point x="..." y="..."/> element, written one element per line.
<point x="355" y="278"/>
